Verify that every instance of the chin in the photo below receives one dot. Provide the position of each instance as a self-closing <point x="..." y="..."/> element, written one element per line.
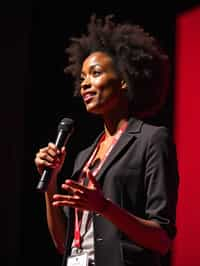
<point x="94" y="108"/>
<point x="91" y="108"/>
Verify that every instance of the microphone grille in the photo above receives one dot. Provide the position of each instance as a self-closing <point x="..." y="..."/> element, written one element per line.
<point x="66" y="124"/>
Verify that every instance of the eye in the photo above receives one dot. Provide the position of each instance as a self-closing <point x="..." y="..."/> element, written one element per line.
<point x="96" y="73"/>
<point x="81" y="79"/>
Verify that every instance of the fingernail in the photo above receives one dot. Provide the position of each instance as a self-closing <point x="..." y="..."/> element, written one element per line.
<point x="64" y="186"/>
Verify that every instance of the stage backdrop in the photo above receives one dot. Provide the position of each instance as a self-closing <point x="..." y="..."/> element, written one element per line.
<point x="187" y="134"/>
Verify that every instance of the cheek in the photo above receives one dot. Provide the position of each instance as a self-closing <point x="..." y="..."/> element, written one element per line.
<point x="108" y="98"/>
<point x="107" y="86"/>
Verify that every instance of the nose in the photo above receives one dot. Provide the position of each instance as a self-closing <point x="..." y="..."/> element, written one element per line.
<point x="85" y="84"/>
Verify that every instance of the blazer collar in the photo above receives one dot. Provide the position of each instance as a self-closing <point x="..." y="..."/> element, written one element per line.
<point x="133" y="128"/>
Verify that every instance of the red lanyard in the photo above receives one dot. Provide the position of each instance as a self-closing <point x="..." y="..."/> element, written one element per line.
<point x="77" y="235"/>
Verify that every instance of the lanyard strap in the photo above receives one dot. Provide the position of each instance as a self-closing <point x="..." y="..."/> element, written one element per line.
<point x="77" y="234"/>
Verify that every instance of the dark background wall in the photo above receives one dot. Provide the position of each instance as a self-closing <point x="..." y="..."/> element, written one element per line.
<point x="36" y="95"/>
<point x="15" y="79"/>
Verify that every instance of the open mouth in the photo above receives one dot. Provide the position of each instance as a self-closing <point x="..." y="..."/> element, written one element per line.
<point x="88" y="97"/>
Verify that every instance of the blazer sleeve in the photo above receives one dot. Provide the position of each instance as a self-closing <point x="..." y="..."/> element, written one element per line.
<point x="161" y="180"/>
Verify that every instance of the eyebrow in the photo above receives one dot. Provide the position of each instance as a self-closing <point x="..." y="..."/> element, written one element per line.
<point x="91" y="68"/>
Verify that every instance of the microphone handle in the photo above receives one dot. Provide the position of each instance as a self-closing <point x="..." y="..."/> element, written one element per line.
<point x="61" y="141"/>
<point x="44" y="180"/>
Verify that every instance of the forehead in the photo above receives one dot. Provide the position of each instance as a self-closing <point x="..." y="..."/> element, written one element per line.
<point x="97" y="58"/>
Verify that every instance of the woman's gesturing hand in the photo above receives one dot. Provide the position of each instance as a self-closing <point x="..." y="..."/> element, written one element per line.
<point x="89" y="198"/>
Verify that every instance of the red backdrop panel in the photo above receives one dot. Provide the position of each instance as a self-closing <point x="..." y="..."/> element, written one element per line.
<point x="187" y="136"/>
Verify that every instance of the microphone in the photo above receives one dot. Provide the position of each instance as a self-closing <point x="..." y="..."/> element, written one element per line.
<point x="65" y="130"/>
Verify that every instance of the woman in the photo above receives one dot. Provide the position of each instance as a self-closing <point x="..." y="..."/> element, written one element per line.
<point x="119" y="205"/>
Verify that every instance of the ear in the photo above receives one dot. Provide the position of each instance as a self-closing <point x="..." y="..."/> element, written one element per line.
<point x="124" y="85"/>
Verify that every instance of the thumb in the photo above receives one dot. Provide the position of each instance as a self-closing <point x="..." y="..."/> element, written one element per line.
<point x="63" y="153"/>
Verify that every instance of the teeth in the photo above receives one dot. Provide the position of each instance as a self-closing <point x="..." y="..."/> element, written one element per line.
<point x="88" y="96"/>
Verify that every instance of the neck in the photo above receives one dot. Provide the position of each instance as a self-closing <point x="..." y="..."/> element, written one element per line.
<point x="113" y="122"/>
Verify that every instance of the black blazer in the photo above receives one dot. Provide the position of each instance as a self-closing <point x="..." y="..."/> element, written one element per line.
<point x="141" y="176"/>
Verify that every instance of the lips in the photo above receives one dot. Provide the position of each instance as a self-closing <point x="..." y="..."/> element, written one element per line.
<point x="88" y="96"/>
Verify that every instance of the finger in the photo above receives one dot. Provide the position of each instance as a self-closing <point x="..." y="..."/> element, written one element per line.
<point x="63" y="150"/>
<point x="69" y="204"/>
<point x="42" y="163"/>
<point x="63" y="200"/>
<point x="44" y="149"/>
<point x="61" y="197"/>
<point x="75" y="185"/>
<point x="72" y="191"/>
<point x="64" y="203"/>
<point x="62" y="154"/>
<point x="53" y="153"/>
<point x="46" y="157"/>
<point x="51" y="149"/>
<point x="54" y="148"/>
<point x="56" y="154"/>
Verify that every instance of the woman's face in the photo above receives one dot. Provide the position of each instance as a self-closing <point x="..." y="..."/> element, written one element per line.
<point x="101" y="87"/>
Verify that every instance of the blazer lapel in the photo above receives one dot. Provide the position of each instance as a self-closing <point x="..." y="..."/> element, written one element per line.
<point x="85" y="156"/>
<point x="134" y="127"/>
